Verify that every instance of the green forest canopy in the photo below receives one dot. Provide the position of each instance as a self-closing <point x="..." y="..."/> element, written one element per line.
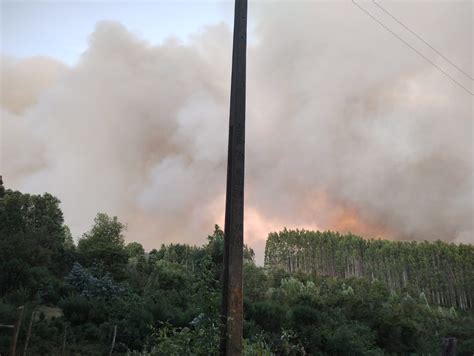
<point x="443" y="272"/>
<point x="319" y="293"/>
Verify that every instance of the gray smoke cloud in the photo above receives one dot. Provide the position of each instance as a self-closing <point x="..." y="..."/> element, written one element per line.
<point x="347" y="128"/>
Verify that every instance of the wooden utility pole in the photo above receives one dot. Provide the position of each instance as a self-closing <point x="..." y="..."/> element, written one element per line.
<point x="16" y="330"/>
<point x="232" y="305"/>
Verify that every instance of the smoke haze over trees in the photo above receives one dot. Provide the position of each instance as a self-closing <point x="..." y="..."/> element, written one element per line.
<point x="165" y="301"/>
<point x="347" y="128"/>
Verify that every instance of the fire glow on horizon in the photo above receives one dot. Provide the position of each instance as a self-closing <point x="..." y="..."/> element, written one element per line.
<point x="352" y="134"/>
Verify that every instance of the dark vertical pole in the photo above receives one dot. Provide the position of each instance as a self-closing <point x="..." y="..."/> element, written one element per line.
<point x="63" y="350"/>
<point x="2" y="188"/>
<point x="232" y="306"/>
<point x="113" y="341"/>
<point x="32" y="319"/>
<point x="449" y="346"/>
<point x="16" y="330"/>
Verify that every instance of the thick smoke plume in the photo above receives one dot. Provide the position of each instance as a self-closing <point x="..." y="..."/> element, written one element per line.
<point x="347" y="128"/>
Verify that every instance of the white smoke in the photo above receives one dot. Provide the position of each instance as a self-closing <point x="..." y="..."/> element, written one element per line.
<point x="346" y="128"/>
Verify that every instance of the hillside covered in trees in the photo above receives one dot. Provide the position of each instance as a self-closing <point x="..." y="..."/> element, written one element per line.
<point x="443" y="272"/>
<point x="100" y="295"/>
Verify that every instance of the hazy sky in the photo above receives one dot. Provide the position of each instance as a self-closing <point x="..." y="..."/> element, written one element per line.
<point x="60" y="28"/>
<point x="353" y="123"/>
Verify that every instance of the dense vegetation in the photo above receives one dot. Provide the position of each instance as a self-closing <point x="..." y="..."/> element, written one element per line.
<point x="166" y="301"/>
<point x="443" y="272"/>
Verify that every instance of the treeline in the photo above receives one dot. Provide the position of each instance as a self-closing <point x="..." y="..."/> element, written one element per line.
<point x="166" y="301"/>
<point x="75" y="295"/>
<point x="443" y="272"/>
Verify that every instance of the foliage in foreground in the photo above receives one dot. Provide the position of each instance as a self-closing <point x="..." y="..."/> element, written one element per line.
<point x="166" y="301"/>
